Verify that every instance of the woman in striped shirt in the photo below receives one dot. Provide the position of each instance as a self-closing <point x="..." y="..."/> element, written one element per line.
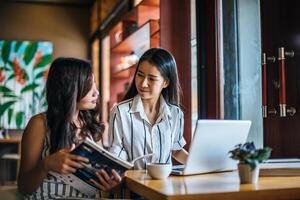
<point x="71" y="116"/>
<point x="149" y="120"/>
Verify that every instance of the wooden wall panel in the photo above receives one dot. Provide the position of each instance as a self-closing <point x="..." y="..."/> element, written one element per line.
<point x="176" y="37"/>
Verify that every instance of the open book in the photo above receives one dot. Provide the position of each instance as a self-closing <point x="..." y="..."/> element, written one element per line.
<point x="99" y="158"/>
<point x="280" y="167"/>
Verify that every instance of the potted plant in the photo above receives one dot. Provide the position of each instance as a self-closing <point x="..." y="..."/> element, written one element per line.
<point x="249" y="158"/>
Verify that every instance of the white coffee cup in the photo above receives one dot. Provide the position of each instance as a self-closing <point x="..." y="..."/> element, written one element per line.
<point x="159" y="170"/>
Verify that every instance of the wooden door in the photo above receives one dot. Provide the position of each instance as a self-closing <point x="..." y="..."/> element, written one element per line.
<point x="280" y="23"/>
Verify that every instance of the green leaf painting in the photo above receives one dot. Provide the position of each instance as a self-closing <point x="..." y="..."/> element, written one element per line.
<point x="19" y="119"/>
<point x="10" y="77"/>
<point x="29" y="87"/>
<point x="39" y="75"/>
<point x="10" y="95"/>
<point x="44" y="61"/>
<point x="23" y="72"/>
<point x="5" y="51"/>
<point x="5" y="106"/>
<point x="17" y="46"/>
<point x="5" y="90"/>
<point x="10" y="114"/>
<point x="30" y="52"/>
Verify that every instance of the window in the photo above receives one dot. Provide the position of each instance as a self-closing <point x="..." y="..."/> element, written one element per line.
<point x="229" y="62"/>
<point x="194" y="66"/>
<point x="242" y="64"/>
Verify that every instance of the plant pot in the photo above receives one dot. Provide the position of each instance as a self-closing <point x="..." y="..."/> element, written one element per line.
<point x="248" y="175"/>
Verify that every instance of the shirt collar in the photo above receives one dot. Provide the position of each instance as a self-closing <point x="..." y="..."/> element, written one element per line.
<point x="164" y="107"/>
<point x="137" y="106"/>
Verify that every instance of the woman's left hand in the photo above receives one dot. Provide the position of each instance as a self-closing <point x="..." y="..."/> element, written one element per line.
<point x="106" y="182"/>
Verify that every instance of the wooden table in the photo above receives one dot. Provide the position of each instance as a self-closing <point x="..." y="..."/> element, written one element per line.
<point x="211" y="186"/>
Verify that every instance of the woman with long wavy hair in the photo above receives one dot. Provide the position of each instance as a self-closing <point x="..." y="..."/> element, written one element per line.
<point x="72" y="115"/>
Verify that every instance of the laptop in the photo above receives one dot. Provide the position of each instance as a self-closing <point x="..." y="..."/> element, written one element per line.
<point x="212" y="141"/>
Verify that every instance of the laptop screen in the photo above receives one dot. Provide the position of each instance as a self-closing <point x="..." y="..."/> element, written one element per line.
<point x="212" y="141"/>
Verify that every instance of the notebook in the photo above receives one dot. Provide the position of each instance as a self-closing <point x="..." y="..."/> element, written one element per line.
<point x="280" y="167"/>
<point x="212" y="141"/>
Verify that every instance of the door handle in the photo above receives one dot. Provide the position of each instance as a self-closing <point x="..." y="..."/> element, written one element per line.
<point x="282" y="81"/>
<point x="265" y="111"/>
<point x="272" y="111"/>
<point x="282" y="89"/>
<point x="291" y="111"/>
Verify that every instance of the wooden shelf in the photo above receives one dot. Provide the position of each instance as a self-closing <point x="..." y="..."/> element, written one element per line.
<point x="146" y="13"/>
<point x="135" y="33"/>
<point x="131" y="16"/>
<point x="155" y="39"/>
<point x="10" y="140"/>
<point x="149" y="3"/>
<point x="116" y="34"/>
<point x="143" y="12"/>
<point x="138" y="39"/>
<point x="124" y="73"/>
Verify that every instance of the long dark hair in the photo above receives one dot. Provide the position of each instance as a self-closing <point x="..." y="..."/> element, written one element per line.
<point x="69" y="80"/>
<point x="166" y="64"/>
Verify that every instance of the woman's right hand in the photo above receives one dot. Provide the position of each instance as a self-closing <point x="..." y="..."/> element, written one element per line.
<point x="63" y="161"/>
<point x="105" y="182"/>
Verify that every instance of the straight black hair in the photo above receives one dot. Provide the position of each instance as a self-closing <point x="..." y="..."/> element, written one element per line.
<point x="166" y="64"/>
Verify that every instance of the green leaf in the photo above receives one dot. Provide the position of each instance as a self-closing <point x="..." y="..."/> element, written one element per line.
<point x="11" y="64"/>
<point x="10" y="95"/>
<point x="263" y="154"/>
<point x="19" y="119"/>
<point x="248" y="154"/>
<point x="253" y="163"/>
<point x="5" y="89"/>
<point x="31" y="86"/>
<point x="45" y="60"/>
<point x="10" y="114"/>
<point x="10" y="77"/>
<point x="5" y="68"/>
<point x="5" y="106"/>
<point x="17" y="46"/>
<point x="43" y="92"/>
<point x="45" y="105"/>
<point x="6" y="51"/>
<point x="30" y="52"/>
<point x="25" y="74"/>
<point x="39" y="75"/>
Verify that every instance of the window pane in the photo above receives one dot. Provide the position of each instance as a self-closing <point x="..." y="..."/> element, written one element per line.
<point x="194" y="66"/>
<point x="242" y="64"/>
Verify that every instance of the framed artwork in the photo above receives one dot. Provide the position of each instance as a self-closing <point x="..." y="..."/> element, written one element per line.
<point x="24" y="67"/>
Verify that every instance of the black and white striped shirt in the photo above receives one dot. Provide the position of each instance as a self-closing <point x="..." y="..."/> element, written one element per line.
<point x="53" y="188"/>
<point x="131" y="134"/>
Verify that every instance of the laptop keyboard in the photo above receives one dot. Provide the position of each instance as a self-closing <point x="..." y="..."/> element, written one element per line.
<point x="178" y="167"/>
